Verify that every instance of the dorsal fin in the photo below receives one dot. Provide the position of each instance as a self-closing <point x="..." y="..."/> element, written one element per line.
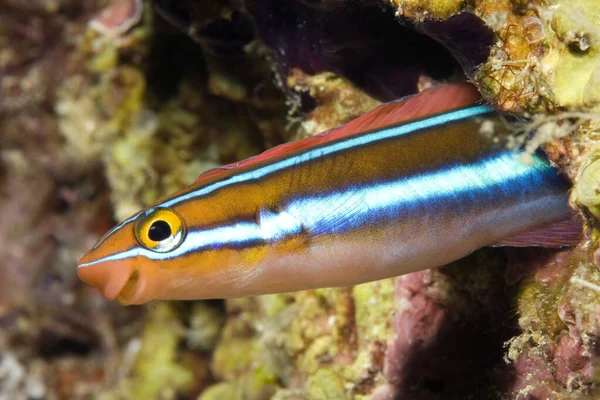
<point x="432" y="101"/>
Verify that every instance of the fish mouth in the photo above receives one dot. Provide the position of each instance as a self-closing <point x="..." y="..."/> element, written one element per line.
<point x="109" y="277"/>
<point x="131" y="290"/>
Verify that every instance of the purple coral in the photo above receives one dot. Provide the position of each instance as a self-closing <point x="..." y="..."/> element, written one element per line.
<point x="448" y="335"/>
<point x="361" y="41"/>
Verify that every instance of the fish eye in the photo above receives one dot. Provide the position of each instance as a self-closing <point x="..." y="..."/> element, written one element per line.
<point x="160" y="229"/>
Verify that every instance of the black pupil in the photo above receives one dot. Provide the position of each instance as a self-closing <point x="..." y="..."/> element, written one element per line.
<point x="159" y="230"/>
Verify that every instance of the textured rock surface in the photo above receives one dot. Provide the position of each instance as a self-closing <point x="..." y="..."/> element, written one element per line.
<point x="106" y="106"/>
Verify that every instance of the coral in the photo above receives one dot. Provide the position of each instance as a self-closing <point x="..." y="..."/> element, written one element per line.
<point x="544" y="58"/>
<point x="586" y="192"/>
<point x="574" y="62"/>
<point x="117" y="18"/>
<point x="340" y="343"/>
<point x="12" y="375"/>
<point x="554" y="355"/>
<point x="149" y="151"/>
<point x="422" y="9"/>
<point x="333" y="336"/>
<point x="337" y="100"/>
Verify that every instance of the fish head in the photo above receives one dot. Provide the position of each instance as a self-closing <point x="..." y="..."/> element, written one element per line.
<point x="152" y="256"/>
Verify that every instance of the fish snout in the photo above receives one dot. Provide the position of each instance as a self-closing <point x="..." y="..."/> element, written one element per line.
<point x="109" y="277"/>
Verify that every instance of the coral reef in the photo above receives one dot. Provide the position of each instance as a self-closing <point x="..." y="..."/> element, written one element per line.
<point x="106" y="106"/>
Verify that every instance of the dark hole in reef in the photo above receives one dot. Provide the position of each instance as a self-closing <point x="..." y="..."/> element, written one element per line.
<point x="307" y="103"/>
<point x="207" y="52"/>
<point x="177" y="13"/>
<point x="232" y="33"/>
<point x="51" y="347"/>
<point x="434" y="385"/>
<point x="173" y="56"/>
<point x="63" y="336"/>
<point x="362" y="41"/>
<point x="465" y="358"/>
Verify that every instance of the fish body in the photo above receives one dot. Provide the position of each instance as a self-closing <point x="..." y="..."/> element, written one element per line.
<point x="411" y="185"/>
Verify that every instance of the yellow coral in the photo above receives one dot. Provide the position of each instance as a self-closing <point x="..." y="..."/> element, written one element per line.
<point x="545" y="58"/>
<point x="156" y="368"/>
<point x="421" y="9"/>
<point x="574" y="62"/>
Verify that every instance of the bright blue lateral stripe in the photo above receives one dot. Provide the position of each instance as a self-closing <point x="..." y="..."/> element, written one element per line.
<point x="504" y="175"/>
<point x="317" y="152"/>
<point x="334" y="147"/>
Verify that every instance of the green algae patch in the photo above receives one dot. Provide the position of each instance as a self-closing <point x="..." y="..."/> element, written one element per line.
<point x="92" y="121"/>
<point x="540" y="296"/>
<point x="317" y="330"/>
<point x="374" y="305"/>
<point x="156" y="368"/>
<point x="587" y="189"/>
<point x="573" y="65"/>
<point x="241" y="351"/>
<point x="206" y="323"/>
<point x="233" y="356"/>
<point x="223" y="390"/>
<point x="242" y="357"/>
<point x="251" y="386"/>
<point x="325" y="384"/>
<point x="156" y="157"/>
<point x="272" y="305"/>
<point x="330" y="341"/>
<point x="538" y="307"/>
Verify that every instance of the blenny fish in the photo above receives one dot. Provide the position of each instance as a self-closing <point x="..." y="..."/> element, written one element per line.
<point x="414" y="184"/>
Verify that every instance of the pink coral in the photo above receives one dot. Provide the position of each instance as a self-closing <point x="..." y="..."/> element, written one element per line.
<point x="416" y="325"/>
<point x="118" y="17"/>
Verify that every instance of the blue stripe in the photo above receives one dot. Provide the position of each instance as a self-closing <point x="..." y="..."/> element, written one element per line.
<point x="504" y="175"/>
<point x="335" y="147"/>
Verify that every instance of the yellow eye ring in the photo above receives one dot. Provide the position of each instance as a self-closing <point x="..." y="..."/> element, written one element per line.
<point x="160" y="229"/>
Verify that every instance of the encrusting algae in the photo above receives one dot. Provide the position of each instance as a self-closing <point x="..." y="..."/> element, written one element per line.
<point x="139" y="110"/>
<point x="156" y="367"/>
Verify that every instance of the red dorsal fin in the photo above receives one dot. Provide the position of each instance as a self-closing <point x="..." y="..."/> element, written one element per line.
<point x="432" y="101"/>
<point x="559" y="234"/>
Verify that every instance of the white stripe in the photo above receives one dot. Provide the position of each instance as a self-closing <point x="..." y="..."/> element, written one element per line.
<point x="333" y="148"/>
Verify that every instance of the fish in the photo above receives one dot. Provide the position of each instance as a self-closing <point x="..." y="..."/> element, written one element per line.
<point x="413" y="184"/>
